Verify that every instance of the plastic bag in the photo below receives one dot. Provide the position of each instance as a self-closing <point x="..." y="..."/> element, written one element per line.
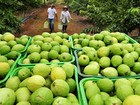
<point x="46" y="24"/>
<point x="60" y="26"/>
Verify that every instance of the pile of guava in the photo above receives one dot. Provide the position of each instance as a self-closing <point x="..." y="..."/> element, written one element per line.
<point x="41" y="85"/>
<point x="108" y="54"/>
<point x="105" y="91"/>
<point x="10" y="47"/>
<point x="49" y="48"/>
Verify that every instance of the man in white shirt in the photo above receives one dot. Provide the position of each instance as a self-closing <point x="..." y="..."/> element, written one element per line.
<point x="51" y="15"/>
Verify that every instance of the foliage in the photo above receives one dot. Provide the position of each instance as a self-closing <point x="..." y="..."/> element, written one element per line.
<point x="91" y="30"/>
<point x="77" y="5"/>
<point x="113" y="15"/>
<point x="8" y="21"/>
<point x="24" y="4"/>
<point x="52" y="1"/>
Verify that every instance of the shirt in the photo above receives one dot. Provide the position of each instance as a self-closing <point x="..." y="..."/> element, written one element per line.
<point x="65" y="15"/>
<point x="51" y="13"/>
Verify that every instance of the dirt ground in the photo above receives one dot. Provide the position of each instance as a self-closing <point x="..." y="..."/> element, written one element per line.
<point x="34" y="25"/>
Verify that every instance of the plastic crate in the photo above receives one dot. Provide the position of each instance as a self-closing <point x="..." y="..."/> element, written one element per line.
<point x="82" y="90"/>
<point x="20" y="62"/>
<point x="16" y="70"/>
<point x="72" y="46"/>
<point x="131" y="40"/>
<point x="26" y="46"/>
<point x="81" y="75"/>
<point x="2" y="82"/>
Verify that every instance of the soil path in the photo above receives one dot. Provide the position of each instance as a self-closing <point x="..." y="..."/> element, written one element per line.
<point x="34" y="26"/>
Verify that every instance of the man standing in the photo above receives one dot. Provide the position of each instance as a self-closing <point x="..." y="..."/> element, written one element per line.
<point x="51" y="15"/>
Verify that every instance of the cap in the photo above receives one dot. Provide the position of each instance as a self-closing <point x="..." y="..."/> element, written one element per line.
<point x="65" y="7"/>
<point x="52" y="5"/>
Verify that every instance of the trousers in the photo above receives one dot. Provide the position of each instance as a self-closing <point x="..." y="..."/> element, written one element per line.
<point x="64" y="28"/>
<point x="51" y="24"/>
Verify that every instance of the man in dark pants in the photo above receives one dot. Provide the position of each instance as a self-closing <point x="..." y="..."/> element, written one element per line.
<point x="51" y="15"/>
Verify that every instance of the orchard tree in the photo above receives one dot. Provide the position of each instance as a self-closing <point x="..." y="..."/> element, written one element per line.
<point x="113" y="15"/>
<point x="9" y="21"/>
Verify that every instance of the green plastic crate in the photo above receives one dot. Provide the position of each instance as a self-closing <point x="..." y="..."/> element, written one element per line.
<point x="82" y="90"/>
<point x="82" y="75"/>
<point x="2" y="82"/>
<point x="131" y="40"/>
<point x="20" y="62"/>
<point x="26" y="46"/>
<point x="16" y="70"/>
<point x="72" y="46"/>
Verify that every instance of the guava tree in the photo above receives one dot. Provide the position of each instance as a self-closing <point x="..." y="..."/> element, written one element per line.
<point x="113" y="15"/>
<point x="9" y="21"/>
